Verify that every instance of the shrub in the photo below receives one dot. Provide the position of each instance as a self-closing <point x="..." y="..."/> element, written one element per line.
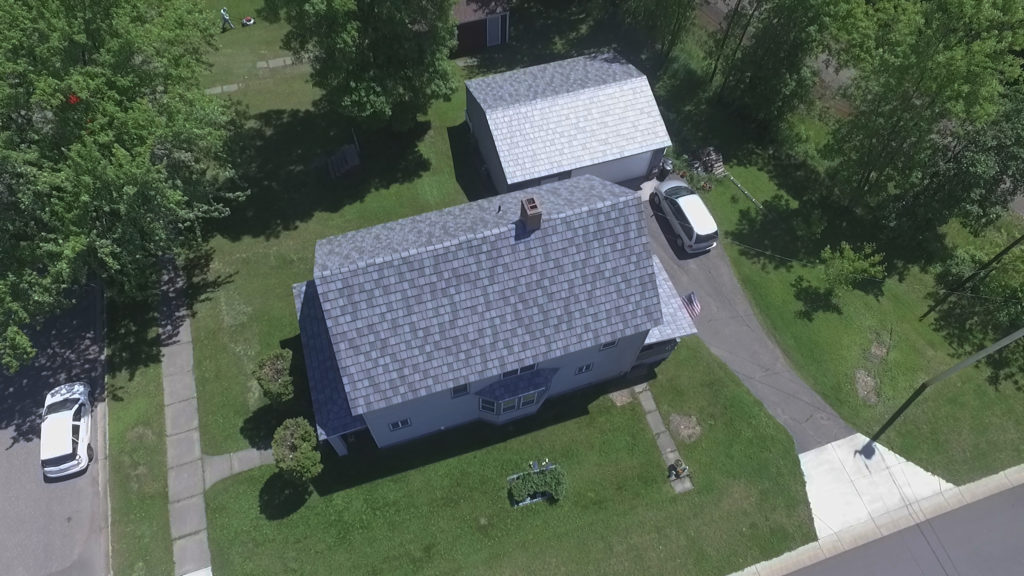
<point x="845" y="267"/>
<point x="272" y="375"/>
<point x="550" y="480"/>
<point x="295" y="450"/>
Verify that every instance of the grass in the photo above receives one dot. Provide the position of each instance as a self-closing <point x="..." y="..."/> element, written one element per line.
<point x="962" y="429"/>
<point x="140" y="528"/>
<point x="439" y="506"/>
<point x="238" y="50"/>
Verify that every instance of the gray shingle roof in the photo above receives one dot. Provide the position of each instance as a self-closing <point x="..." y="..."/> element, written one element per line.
<point x="330" y="403"/>
<point x="675" y="320"/>
<point x="569" y="114"/>
<point x="451" y="297"/>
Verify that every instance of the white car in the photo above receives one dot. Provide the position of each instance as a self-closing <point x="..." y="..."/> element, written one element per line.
<point x="695" y="228"/>
<point x="64" y="438"/>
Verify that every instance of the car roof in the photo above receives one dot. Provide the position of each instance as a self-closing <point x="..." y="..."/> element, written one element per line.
<point x="697" y="213"/>
<point x="55" y="435"/>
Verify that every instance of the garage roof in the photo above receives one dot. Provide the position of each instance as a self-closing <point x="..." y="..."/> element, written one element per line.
<point x="569" y="114"/>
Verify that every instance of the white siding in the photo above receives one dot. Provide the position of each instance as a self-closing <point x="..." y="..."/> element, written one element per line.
<point x="620" y="170"/>
<point x="439" y="411"/>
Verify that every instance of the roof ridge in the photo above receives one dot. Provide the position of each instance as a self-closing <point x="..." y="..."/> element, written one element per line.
<point x="564" y="95"/>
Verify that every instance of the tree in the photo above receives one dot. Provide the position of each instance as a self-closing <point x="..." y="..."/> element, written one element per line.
<point x="111" y="156"/>
<point x="772" y="75"/>
<point x="927" y="88"/>
<point x="664" y="20"/>
<point x="271" y="374"/>
<point x="295" y="450"/>
<point x="376" y="60"/>
<point x="845" y="267"/>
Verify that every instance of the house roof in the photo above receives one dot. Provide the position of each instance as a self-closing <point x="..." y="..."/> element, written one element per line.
<point x="454" y="296"/>
<point x="473" y="10"/>
<point x="569" y="114"/>
<point x="507" y="388"/>
<point x="675" y="320"/>
<point x="330" y="403"/>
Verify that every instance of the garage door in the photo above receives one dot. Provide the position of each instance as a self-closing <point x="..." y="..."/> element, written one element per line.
<point x="619" y="170"/>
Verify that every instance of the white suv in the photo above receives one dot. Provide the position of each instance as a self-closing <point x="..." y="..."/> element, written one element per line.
<point x="64" y="438"/>
<point x="695" y="228"/>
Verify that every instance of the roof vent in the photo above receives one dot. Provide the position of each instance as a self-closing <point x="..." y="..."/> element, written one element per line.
<point x="529" y="214"/>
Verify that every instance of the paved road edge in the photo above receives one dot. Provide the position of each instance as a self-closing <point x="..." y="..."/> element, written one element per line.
<point x="869" y="531"/>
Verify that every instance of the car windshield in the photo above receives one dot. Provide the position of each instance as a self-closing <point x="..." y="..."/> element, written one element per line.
<point x="679" y="191"/>
<point x="60" y="406"/>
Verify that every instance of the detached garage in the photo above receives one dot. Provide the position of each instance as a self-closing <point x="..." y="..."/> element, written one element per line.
<point x="589" y="115"/>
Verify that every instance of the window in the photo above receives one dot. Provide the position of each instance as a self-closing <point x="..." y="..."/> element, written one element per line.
<point x="527" y="399"/>
<point x="403" y="423"/>
<point x="510" y="373"/>
<point x="509" y="405"/>
<point x="611" y="344"/>
<point x="460" y="390"/>
<point x="585" y="368"/>
<point x="528" y="368"/>
<point x="487" y="406"/>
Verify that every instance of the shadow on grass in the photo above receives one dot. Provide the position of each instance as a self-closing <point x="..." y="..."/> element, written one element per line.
<point x="282" y="158"/>
<point x="468" y="163"/>
<point x="367" y="463"/>
<point x="815" y="299"/>
<point x="280" y="497"/>
<point x="544" y="31"/>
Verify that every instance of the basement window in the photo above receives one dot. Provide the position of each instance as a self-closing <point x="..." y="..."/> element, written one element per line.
<point x="611" y="344"/>
<point x="460" y="390"/>
<point x="585" y="368"/>
<point x="403" y="423"/>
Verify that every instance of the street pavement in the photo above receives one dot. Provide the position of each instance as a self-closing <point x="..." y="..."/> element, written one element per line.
<point x="729" y="327"/>
<point x="58" y="527"/>
<point x="980" y="538"/>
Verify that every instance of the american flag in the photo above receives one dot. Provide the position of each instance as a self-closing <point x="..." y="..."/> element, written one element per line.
<point x="692" y="305"/>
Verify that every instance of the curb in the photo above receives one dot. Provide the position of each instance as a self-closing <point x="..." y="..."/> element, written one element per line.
<point x="896" y="520"/>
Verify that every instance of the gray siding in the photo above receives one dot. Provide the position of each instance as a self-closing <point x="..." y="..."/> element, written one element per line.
<point x="485" y="142"/>
<point x="439" y="411"/>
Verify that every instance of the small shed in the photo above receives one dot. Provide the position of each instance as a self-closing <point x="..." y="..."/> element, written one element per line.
<point x="480" y="24"/>
<point x="593" y="115"/>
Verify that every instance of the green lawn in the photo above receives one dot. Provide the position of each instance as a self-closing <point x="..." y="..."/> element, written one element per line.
<point x="438" y="506"/>
<point x="240" y="49"/>
<point x="140" y="530"/>
<point x="962" y="429"/>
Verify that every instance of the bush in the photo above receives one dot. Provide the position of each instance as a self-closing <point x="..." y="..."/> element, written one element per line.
<point x="845" y="267"/>
<point x="551" y="480"/>
<point x="295" y="450"/>
<point x="272" y="375"/>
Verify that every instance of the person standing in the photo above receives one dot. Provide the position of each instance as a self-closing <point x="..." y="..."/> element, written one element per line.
<point x="225" y="20"/>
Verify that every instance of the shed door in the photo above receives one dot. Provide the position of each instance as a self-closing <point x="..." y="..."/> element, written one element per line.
<point x="628" y="168"/>
<point x="497" y="29"/>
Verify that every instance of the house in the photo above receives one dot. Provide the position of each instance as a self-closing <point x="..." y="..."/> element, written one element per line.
<point x="588" y="115"/>
<point x="480" y="24"/>
<point x="482" y="311"/>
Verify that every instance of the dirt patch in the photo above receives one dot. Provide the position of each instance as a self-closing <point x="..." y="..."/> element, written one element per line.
<point x="878" y="351"/>
<point x="622" y="397"/>
<point x="684" y="427"/>
<point x="140" y="435"/>
<point x="867" y="387"/>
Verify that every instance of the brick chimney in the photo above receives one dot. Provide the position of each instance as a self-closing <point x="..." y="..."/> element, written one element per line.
<point x="529" y="214"/>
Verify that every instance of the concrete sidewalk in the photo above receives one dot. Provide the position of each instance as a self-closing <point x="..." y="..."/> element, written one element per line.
<point x="185" y="483"/>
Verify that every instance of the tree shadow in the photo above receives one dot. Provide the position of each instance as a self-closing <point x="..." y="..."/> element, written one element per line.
<point x="280" y="497"/>
<point x="470" y="170"/>
<point x="283" y="159"/>
<point x="815" y="299"/>
<point x="367" y="463"/>
<point x="69" y="348"/>
<point x="544" y="31"/>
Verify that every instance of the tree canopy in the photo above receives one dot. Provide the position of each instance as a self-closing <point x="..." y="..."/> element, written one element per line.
<point x="376" y="60"/>
<point x="931" y="93"/>
<point x="111" y="155"/>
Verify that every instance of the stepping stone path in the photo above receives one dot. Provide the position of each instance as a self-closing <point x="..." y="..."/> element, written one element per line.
<point x="666" y="445"/>
<point x="225" y="89"/>
<point x="275" y="63"/>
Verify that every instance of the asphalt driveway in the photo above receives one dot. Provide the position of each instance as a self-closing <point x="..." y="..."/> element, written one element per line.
<point x="58" y="527"/>
<point x="729" y="327"/>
